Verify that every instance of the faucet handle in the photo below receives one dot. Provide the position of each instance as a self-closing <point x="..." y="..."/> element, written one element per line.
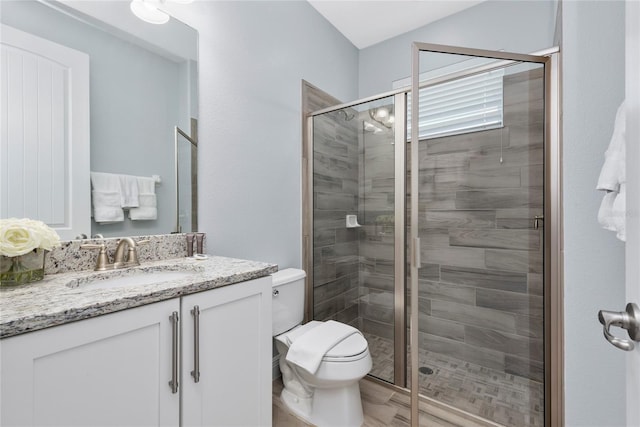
<point x="132" y="255"/>
<point x="133" y="252"/>
<point x="102" y="262"/>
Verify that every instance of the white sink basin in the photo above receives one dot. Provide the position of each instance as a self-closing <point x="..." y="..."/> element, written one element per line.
<point x="125" y="278"/>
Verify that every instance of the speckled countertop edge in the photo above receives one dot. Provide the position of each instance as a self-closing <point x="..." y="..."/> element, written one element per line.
<point x="52" y="302"/>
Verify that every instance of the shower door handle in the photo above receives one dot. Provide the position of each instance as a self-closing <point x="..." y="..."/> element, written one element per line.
<point x="628" y="319"/>
<point x="417" y="259"/>
<point x="536" y="221"/>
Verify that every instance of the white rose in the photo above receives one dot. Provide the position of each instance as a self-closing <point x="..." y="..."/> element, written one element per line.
<point x="17" y="238"/>
<point x="49" y="239"/>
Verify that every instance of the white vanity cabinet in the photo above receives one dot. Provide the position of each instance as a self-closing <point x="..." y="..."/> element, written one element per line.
<point x="116" y="369"/>
<point x="108" y="370"/>
<point x="234" y="354"/>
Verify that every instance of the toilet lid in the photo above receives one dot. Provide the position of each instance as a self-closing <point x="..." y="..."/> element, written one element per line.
<point x="353" y="345"/>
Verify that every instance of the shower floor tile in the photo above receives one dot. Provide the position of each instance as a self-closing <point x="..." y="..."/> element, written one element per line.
<point x="497" y="396"/>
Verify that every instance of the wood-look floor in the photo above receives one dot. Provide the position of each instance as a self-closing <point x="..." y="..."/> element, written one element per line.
<point x="382" y="407"/>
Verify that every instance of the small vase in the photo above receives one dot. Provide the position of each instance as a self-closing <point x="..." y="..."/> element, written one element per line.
<point x="22" y="269"/>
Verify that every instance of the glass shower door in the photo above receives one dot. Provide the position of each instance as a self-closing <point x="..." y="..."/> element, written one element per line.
<point x="358" y="238"/>
<point x="477" y="233"/>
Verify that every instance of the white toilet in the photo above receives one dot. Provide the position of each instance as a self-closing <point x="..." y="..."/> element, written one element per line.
<point x="330" y="396"/>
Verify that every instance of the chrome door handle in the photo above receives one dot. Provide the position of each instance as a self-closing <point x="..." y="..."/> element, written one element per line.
<point x="174" y="352"/>
<point x="628" y="319"/>
<point x="196" y="344"/>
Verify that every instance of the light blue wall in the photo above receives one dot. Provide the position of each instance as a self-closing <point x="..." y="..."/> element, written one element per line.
<point x="593" y="87"/>
<point x="516" y="26"/>
<point x="253" y="56"/>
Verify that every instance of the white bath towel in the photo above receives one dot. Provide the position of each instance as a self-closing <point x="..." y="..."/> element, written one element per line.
<point x="106" y="197"/>
<point x="605" y="213"/>
<point x="148" y="205"/>
<point x="614" y="168"/>
<point x="308" y="350"/>
<point x="612" y="179"/>
<point x="619" y="213"/>
<point x="129" y="191"/>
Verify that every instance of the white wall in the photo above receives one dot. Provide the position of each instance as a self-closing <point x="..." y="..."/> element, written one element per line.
<point x="517" y="26"/>
<point x="253" y="56"/>
<point x="593" y="87"/>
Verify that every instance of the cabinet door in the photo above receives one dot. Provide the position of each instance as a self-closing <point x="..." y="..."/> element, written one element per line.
<point x="108" y="370"/>
<point x="235" y="356"/>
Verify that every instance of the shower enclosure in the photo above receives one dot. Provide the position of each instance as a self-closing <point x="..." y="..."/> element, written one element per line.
<point x="438" y="250"/>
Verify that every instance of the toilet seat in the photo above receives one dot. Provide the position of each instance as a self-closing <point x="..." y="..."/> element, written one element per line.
<point x="351" y="349"/>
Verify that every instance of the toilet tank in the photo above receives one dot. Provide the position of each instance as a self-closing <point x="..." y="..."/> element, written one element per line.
<point x="288" y="299"/>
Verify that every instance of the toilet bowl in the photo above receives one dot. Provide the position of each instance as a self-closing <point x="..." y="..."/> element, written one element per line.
<point x="330" y="396"/>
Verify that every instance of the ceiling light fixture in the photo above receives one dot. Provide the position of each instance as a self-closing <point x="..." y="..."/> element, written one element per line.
<point x="383" y="116"/>
<point x="148" y="11"/>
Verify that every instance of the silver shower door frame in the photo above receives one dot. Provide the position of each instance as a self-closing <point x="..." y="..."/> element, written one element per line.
<point x="553" y="337"/>
<point x="553" y="246"/>
<point x="400" y="167"/>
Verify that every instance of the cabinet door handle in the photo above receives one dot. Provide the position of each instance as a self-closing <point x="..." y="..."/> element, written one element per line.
<point x="196" y="344"/>
<point x="174" y="352"/>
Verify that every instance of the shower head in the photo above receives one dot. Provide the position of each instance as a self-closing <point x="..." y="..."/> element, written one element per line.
<point x="383" y="116"/>
<point x="347" y="116"/>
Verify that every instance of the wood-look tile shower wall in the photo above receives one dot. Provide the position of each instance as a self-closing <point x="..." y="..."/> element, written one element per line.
<point x="336" y="257"/>
<point x="481" y="299"/>
<point x="481" y="279"/>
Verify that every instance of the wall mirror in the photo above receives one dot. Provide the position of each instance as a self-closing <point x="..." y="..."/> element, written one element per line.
<point x="88" y="87"/>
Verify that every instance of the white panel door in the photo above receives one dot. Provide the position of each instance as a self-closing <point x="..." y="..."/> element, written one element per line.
<point x="44" y="151"/>
<point x="632" y="71"/>
<point x="111" y="370"/>
<point x="234" y="388"/>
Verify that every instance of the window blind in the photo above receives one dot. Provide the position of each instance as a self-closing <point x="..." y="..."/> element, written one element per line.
<point x="459" y="106"/>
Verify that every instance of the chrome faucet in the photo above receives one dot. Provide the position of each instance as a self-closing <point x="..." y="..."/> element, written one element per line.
<point x="120" y="261"/>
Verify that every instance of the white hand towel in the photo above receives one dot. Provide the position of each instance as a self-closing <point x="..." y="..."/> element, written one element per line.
<point x="106" y="197"/>
<point x="612" y="179"/>
<point x="614" y="168"/>
<point x="148" y="205"/>
<point x="619" y="213"/>
<point x="106" y="207"/>
<point x="105" y="182"/>
<point x="129" y="191"/>
<point x="308" y="350"/>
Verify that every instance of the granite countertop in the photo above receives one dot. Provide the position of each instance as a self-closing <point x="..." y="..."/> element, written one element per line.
<point x="66" y="297"/>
